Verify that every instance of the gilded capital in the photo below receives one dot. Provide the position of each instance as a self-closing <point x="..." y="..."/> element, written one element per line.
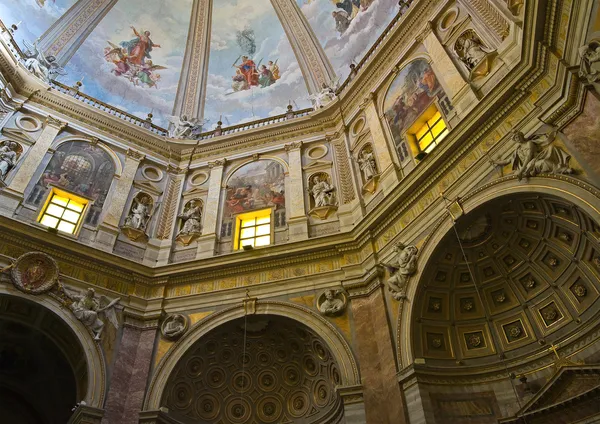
<point x="217" y="163"/>
<point x="172" y="169"/>
<point x="53" y="122"/>
<point x="135" y="155"/>
<point x="293" y="146"/>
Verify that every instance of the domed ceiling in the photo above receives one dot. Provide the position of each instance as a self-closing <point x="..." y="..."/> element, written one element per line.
<point x="344" y="28"/>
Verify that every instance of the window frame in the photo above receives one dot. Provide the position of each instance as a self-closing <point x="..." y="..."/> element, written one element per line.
<point x="55" y="191"/>
<point x="260" y="213"/>
<point x="423" y="120"/>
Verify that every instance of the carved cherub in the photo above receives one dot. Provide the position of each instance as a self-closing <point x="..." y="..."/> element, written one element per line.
<point x="91" y="309"/>
<point x="404" y="265"/>
<point x="334" y="302"/>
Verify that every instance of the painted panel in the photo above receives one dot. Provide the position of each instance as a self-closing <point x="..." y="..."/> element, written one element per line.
<point x="253" y="72"/>
<point x="347" y="28"/>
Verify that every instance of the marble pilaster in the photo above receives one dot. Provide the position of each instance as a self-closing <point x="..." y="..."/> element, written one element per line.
<point x="191" y="91"/>
<point x="297" y="220"/>
<point x="69" y="32"/>
<point x="207" y="243"/>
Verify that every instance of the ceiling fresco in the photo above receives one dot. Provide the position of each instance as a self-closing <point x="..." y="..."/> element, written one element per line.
<point x="133" y="58"/>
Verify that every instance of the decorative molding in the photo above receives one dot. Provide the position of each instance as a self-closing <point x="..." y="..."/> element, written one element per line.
<point x="217" y="163"/>
<point x="56" y="123"/>
<point x="293" y="146"/>
<point x="135" y="155"/>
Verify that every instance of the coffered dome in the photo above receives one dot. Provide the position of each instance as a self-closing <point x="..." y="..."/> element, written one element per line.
<point x="529" y="280"/>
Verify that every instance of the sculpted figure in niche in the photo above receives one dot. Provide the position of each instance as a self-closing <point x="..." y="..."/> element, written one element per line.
<point x="322" y="192"/>
<point x="536" y="154"/>
<point x="8" y="158"/>
<point x="367" y="164"/>
<point x="401" y="268"/>
<point x="590" y="62"/>
<point x="470" y="49"/>
<point x="89" y="308"/>
<point x="332" y="302"/>
<point x="191" y="216"/>
<point x="139" y="215"/>
<point x="174" y="326"/>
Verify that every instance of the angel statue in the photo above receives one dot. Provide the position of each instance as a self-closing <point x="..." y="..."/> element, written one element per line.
<point x="401" y="269"/>
<point x="326" y="95"/>
<point x="590" y="62"/>
<point x="536" y="154"/>
<point x="182" y="127"/>
<point x="42" y="66"/>
<point x="91" y="309"/>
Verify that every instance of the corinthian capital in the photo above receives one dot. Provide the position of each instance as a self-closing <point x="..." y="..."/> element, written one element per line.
<point x="293" y="146"/>
<point x="53" y="122"/>
<point x="216" y="163"/>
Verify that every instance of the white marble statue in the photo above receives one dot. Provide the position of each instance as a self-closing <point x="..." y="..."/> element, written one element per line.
<point x="537" y="154"/>
<point x="182" y="127"/>
<point x="401" y="268"/>
<point x="367" y="164"/>
<point x="174" y="326"/>
<point x="590" y="62"/>
<point x="8" y="158"/>
<point x="191" y="217"/>
<point x="322" y="192"/>
<point x="139" y="214"/>
<point x="91" y="309"/>
<point x="470" y="49"/>
<point x="332" y="302"/>
<point x="42" y="66"/>
<point x="325" y="96"/>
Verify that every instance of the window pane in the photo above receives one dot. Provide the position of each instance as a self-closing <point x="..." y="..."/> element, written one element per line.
<point x="442" y="135"/>
<point x="426" y="141"/>
<point x="430" y="147"/>
<point x="438" y="128"/>
<point x="247" y="232"/>
<point x="76" y="206"/>
<point x="49" y="221"/>
<point x="263" y="220"/>
<point x="249" y="242"/>
<point x="248" y="222"/>
<point x="71" y="216"/>
<point x="54" y="210"/>
<point x="263" y="241"/>
<point x="59" y="200"/>
<point x="66" y="227"/>
<point x="422" y="132"/>
<point x="263" y="230"/>
<point x="434" y="118"/>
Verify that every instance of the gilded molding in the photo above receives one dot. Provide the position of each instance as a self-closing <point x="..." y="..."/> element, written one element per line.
<point x="293" y="146"/>
<point x="217" y="163"/>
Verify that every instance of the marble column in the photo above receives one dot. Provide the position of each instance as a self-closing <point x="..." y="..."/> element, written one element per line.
<point x="384" y="403"/>
<point x="159" y="246"/>
<point x="354" y="404"/>
<point x="389" y="176"/>
<point x="297" y="220"/>
<point x="313" y="62"/>
<point x="207" y="243"/>
<point x="69" y="32"/>
<point x="109" y="228"/>
<point x="130" y="373"/>
<point x="191" y="91"/>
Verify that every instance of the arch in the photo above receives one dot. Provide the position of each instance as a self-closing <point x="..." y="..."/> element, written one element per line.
<point x="577" y="192"/>
<point x="116" y="161"/>
<point x="349" y="374"/>
<point x="94" y="359"/>
<point x="232" y="172"/>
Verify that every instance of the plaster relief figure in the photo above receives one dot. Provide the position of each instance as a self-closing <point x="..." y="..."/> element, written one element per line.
<point x="590" y="62"/>
<point x="325" y="96"/>
<point x="537" y="154"/>
<point x="322" y="192"/>
<point x="35" y="273"/>
<point x="8" y="158"/>
<point x="43" y="67"/>
<point x="470" y="49"/>
<point x="401" y="268"/>
<point x="367" y="164"/>
<point x="174" y="326"/>
<point x="139" y="214"/>
<point x="182" y="127"/>
<point x="332" y="302"/>
<point x="91" y="310"/>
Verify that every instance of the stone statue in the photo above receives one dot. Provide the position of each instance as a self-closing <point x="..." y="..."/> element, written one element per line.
<point x="191" y="216"/>
<point x="174" y="326"/>
<point x="326" y="95"/>
<point x="8" y="158"/>
<point x="590" y="62"/>
<point x="401" y="269"/>
<point x="322" y="192"/>
<point x="536" y="154"/>
<point x="470" y="49"/>
<point x="89" y="309"/>
<point x="332" y="302"/>
<point x="367" y="164"/>
<point x="139" y="214"/>
<point x="182" y="127"/>
<point x="42" y="66"/>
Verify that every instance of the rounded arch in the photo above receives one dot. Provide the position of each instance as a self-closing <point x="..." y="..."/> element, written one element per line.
<point x="95" y="366"/>
<point x="577" y="192"/>
<point x="232" y="172"/>
<point x="349" y="374"/>
<point x="116" y="161"/>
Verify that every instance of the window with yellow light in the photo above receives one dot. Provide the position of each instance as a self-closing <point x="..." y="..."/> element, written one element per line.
<point x="428" y="131"/>
<point x="253" y="229"/>
<point x="63" y="211"/>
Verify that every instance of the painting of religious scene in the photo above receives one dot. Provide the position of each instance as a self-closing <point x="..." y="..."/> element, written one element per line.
<point x="347" y="29"/>
<point x="413" y="90"/>
<point x="257" y="185"/>
<point x="132" y="59"/>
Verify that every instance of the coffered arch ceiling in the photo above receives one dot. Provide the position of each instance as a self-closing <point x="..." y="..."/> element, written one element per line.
<point x="530" y="278"/>
<point x="283" y="373"/>
<point x="345" y="30"/>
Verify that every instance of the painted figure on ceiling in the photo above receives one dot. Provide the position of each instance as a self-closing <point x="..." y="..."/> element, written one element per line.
<point x="266" y="77"/>
<point x="274" y="68"/>
<point x="248" y="69"/>
<point x="139" y="48"/>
